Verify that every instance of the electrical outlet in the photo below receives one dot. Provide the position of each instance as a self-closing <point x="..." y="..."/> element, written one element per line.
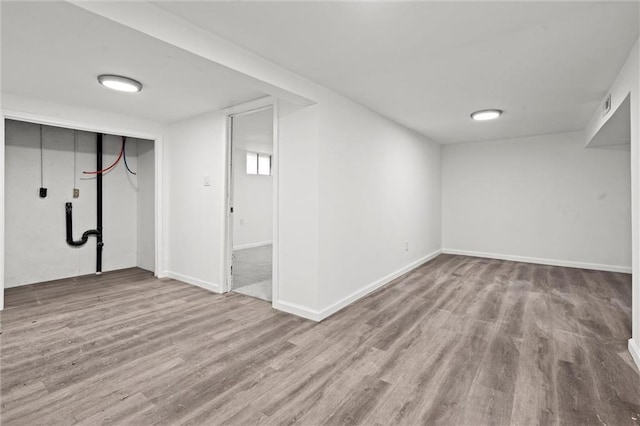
<point x="43" y="192"/>
<point x="206" y="181"/>
<point x="406" y="246"/>
<point x="76" y="192"/>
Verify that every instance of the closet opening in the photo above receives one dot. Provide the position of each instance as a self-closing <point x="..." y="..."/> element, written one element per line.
<point x="77" y="203"/>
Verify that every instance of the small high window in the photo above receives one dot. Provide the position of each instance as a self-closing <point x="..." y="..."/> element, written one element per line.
<point x="258" y="164"/>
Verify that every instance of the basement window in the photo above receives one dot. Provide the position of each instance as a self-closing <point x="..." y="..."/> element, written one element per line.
<point x="258" y="164"/>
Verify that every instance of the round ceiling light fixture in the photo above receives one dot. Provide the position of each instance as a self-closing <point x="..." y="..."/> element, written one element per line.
<point x="486" y="114"/>
<point x="120" y="83"/>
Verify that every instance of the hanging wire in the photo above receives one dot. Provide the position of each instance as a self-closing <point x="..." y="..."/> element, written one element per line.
<point x="75" y="158"/>
<point x="115" y="163"/>
<point x="41" y="160"/>
<point x="124" y="141"/>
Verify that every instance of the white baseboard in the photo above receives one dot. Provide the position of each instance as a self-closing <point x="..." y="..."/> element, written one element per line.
<point x="342" y="303"/>
<point x="194" y="281"/>
<point x="635" y="352"/>
<point x="319" y="315"/>
<point x="550" y="262"/>
<point x="298" y="310"/>
<point x="252" y="245"/>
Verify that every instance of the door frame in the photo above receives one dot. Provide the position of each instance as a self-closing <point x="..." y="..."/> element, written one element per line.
<point x="94" y="127"/>
<point x="236" y="111"/>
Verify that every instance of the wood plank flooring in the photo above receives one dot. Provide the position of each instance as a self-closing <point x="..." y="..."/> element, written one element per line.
<point x="458" y="341"/>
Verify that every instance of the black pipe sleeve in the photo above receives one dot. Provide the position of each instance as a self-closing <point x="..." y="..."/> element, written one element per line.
<point x="98" y="231"/>
<point x="85" y="236"/>
<point x="99" y="242"/>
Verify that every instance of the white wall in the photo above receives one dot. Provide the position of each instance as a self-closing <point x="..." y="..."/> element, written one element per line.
<point x="350" y="196"/>
<point x="252" y="200"/>
<point x="196" y="213"/>
<point x="145" y="173"/>
<point x="36" y="249"/>
<point x="301" y="162"/>
<point x="298" y="231"/>
<point x="542" y="197"/>
<point x="196" y="148"/>
<point x="379" y="189"/>
<point x="628" y="83"/>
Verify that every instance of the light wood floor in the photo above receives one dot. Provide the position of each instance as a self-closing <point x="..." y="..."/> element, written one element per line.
<point x="458" y="341"/>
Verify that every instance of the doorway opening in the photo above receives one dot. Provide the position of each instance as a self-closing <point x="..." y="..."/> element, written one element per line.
<point x="251" y="175"/>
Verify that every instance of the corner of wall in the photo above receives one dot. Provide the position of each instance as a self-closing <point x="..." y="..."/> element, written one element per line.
<point x="634" y="349"/>
<point x="2" y="148"/>
<point x="370" y="288"/>
<point x="195" y="281"/>
<point x="619" y="90"/>
<point x="298" y="310"/>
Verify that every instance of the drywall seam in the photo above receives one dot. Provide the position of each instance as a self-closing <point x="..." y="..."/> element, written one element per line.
<point x="194" y="281"/>
<point x="539" y="261"/>
<point x="252" y="245"/>
<point x="635" y="352"/>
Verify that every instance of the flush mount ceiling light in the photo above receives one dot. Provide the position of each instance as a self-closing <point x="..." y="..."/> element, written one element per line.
<point x="486" y="114"/>
<point x="120" y="83"/>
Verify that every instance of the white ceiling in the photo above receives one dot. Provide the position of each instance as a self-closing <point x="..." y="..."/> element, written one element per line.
<point x="54" y="51"/>
<point x="428" y="65"/>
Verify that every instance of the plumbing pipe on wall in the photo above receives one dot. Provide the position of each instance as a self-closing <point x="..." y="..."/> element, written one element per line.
<point x="98" y="231"/>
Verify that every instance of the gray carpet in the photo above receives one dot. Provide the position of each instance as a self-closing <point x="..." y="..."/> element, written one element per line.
<point x="252" y="270"/>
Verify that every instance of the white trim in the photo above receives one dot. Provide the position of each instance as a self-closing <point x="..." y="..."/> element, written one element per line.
<point x="231" y="112"/>
<point x="635" y="352"/>
<point x="28" y="117"/>
<point x="250" y="106"/>
<point x="319" y="315"/>
<point x="2" y="184"/>
<point x="227" y="245"/>
<point x="160" y="208"/>
<point x="332" y="309"/>
<point x="298" y="310"/>
<point x="275" y="186"/>
<point x="539" y="261"/>
<point x="90" y="126"/>
<point x="253" y="245"/>
<point x="194" y="281"/>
